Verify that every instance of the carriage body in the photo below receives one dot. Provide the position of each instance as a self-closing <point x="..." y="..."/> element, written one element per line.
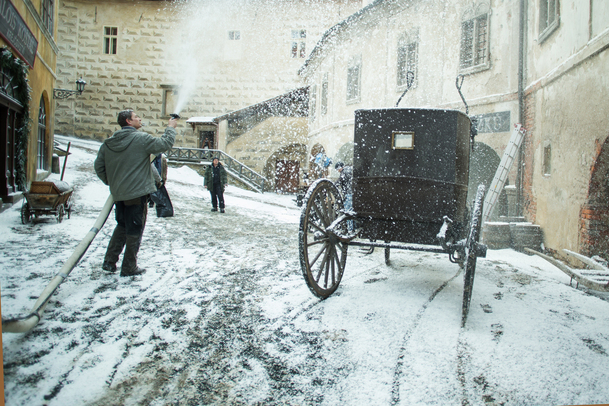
<point x="410" y="185"/>
<point x="410" y="169"/>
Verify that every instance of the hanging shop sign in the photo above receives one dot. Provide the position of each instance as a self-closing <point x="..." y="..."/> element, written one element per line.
<point x="16" y="33"/>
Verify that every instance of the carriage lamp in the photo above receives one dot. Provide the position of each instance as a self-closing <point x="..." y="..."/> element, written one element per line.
<point x="64" y="93"/>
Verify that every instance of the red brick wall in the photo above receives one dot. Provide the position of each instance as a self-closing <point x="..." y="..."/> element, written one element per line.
<point x="529" y="201"/>
<point x="594" y="214"/>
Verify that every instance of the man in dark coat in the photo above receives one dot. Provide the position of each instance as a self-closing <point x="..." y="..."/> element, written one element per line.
<point x="123" y="163"/>
<point x="215" y="182"/>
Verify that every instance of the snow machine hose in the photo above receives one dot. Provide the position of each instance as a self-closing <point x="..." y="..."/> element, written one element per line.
<point x="28" y="322"/>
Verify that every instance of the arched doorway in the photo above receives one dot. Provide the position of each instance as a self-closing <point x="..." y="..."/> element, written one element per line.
<point x="483" y="164"/>
<point x="345" y="154"/>
<point x="594" y="214"/>
<point x="284" y="167"/>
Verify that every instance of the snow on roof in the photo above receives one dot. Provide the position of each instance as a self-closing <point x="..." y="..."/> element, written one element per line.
<point x="199" y="120"/>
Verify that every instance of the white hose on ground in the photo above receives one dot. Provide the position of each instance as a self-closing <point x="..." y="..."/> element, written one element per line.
<point x="28" y="322"/>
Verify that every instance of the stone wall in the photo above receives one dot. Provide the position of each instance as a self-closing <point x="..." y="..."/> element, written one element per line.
<point x="173" y="50"/>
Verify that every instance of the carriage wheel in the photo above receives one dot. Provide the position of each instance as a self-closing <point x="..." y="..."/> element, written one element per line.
<point x="60" y="213"/>
<point x="26" y="215"/>
<point x="322" y="255"/>
<point x="471" y="254"/>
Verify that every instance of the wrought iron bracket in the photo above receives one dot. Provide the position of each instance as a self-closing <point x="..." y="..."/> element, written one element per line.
<point x="64" y="93"/>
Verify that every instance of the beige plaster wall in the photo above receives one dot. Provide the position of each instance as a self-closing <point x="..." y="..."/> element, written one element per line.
<point x="565" y="79"/>
<point x="183" y="45"/>
<point x="439" y="27"/>
<point x="269" y="138"/>
<point x="574" y="119"/>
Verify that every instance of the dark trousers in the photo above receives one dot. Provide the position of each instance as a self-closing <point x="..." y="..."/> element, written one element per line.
<point x="131" y="219"/>
<point x="217" y="196"/>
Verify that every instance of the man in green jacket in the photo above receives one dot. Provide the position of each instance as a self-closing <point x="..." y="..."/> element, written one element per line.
<point x="123" y="163"/>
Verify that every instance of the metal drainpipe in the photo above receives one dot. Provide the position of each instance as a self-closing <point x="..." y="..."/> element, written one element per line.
<point x="521" y="113"/>
<point x="26" y="323"/>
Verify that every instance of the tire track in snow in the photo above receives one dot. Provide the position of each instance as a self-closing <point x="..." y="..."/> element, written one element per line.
<point x="398" y="371"/>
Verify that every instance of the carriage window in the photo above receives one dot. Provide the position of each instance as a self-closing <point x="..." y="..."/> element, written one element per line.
<point x="402" y="140"/>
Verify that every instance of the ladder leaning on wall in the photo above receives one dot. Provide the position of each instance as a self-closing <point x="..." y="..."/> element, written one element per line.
<point x="502" y="171"/>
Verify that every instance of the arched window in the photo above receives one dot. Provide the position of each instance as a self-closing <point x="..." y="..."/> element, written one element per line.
<point x="42" y="131"/>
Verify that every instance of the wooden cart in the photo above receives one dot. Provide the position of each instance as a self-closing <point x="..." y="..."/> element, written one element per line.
<point x="51" y="198"/>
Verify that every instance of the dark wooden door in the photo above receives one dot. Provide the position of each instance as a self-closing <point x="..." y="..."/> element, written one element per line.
<point x="7" y="151"/>
<point x="286" y="175"/>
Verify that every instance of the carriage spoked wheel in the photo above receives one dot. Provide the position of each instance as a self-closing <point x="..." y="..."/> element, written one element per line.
<point x="323" y="251"/>
<point x="472" y="251"/>
<point x="26" y="214"/>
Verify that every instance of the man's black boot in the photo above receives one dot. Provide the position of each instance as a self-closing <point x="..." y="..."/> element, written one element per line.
<point x="129" y="267"/>
<point x="115" y="247"/>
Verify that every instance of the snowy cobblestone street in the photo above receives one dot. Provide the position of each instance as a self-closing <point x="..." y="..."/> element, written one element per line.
<point x="223" y="316"/>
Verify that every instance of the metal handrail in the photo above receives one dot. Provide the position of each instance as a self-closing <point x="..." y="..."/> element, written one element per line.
<point x="236" y="168"/>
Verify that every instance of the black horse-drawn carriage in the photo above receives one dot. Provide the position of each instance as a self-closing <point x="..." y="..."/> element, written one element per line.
<point x="410" y="184"/>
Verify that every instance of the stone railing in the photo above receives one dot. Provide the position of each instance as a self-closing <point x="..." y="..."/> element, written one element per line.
<point x="232" y="166"/>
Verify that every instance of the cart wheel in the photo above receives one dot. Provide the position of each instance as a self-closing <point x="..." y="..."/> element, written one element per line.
<point x="60" y="213"/>
<point x="471" y="252"/>
<point x="322" y="255"/>
<point x="26" y="215"/>
<point x="387" y="256"/>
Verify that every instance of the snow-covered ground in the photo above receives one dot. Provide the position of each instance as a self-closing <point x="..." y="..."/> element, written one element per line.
<point x="223" y="316"/>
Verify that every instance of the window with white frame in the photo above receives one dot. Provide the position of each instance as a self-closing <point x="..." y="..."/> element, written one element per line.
<point x="548" y="18"/>
<point x="234" y="35"/>
<point x="408" y="49"/>
<point x="41" y="158"/>
<point x="475" y="42"/>
<point x="324" y="95"/>
<point x="110" y="40"/>
<point x="47" y="14"/>
<point x="312" y="102"/>
<point x="299" y="43"/>
<point x="354" y="76"/>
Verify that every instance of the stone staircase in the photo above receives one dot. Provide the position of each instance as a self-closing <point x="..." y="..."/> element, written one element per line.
<point x="197" y="156"/>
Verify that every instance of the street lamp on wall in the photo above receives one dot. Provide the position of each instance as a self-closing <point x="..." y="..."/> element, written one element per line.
<point x="64" y="93"/>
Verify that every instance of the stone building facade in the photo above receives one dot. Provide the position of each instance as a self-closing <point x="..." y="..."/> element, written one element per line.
<point x="27" y="33"/>
<point x="539" y="63"/>
<point x="199" y="58"/>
